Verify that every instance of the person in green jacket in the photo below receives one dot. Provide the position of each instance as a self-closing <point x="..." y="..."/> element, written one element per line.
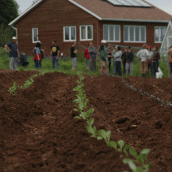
<point x="103" y="57"/>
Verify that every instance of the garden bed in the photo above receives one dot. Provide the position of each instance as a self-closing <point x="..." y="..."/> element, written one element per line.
<point x="39" y="132"/>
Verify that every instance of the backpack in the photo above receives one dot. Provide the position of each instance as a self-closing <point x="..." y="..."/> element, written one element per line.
<point x="103" y="55"/>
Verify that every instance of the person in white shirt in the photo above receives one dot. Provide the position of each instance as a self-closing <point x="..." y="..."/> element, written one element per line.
<point x="143" y="56"/>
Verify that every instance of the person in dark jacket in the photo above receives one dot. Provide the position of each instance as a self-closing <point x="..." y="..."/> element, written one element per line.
<point x="124" y="57"/>
<point x="129" y="61"/>
<point x="155" y="61"/>
<point x="109" y="56"/>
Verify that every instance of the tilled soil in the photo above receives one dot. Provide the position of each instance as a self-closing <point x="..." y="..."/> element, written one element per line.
<point x="39" y="132"/>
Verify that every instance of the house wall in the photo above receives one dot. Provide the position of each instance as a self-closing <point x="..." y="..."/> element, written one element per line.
<point x="50" y="17"/>
<point x="149" y="32"/>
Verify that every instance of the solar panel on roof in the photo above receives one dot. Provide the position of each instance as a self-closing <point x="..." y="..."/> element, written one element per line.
<point x="132" y="3"/>
<point x="114" y="2"/>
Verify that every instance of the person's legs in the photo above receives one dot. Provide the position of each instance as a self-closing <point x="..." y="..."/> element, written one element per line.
<point x="114" y="69"/>
<point x="94" y="64"/>
<point x="117" y="68"/>
<point x="11" y="63"/>
<point x="127" y="68"/>
<point x="90" y="64"/>
<point x="87" y="63"/>
<point x="53" y="61"/>
<point x="131" y="68"/>
<point x="57" y="62"/>
<point x="124" y="67"/>
<point x="39" y="64"/>
<point x="74" y="64"/>
<point x="142" y="68"/>
<point x="16" y="63"/>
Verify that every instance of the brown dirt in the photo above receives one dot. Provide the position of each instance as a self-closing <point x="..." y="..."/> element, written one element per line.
<point x="39" y="133"/>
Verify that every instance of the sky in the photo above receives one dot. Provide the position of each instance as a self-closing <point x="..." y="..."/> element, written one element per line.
<point x="165" y="5"/>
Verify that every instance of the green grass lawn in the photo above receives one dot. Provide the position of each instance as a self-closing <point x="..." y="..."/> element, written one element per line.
<point x="66" y="66"/>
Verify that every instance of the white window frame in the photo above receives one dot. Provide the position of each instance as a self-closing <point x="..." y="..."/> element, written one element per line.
<point x="70" y="40"/>
<point x="33" y="35"/>
<point x="134" y="34"/>
<point x="155" y="27"/>
<point x="86" y="33"/>
<point x="114" y="32"/>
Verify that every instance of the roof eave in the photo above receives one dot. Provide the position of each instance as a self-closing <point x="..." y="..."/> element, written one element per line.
<point x="24" y="13"/>
<point x="136" y="20"/>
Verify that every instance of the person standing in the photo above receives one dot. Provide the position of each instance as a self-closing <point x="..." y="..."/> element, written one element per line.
<point x="143" y="56"/>
<point x="129" y="61"/>
<point x="117" y="57"/>
<point x="73" y="56"/>
<point x="109" y="56"/>
<point x="93" y="52"/>
<point x="87" y="56"/>
<point x="55" y="54"/>
<point x="170" y="60"/>
<point x="155" y="61"/>
<point x="38" y="57"/>
<point x="114" y="62"/>
<point x="102" y="57"/>
<point x="150" y="57"/>
<point x="14" y="54"/>
<point x="124" y="57"/>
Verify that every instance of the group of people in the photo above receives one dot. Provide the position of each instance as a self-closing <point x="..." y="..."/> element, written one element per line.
<point x="105" y="55"/>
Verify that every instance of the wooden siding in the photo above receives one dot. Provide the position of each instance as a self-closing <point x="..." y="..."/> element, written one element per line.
<point x="50" y="17"/>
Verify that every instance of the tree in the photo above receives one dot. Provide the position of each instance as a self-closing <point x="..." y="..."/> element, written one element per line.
<point x="8" y="12"/>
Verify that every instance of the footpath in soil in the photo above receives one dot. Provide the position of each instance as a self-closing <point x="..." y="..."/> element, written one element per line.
<point x="39" y="132"/>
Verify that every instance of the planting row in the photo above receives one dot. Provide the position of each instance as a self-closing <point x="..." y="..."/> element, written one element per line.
<point x="136" y="162"/>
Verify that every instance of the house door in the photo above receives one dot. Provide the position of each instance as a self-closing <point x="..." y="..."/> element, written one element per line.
<point x="169" y="41"/>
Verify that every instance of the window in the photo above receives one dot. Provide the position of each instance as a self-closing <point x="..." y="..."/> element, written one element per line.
<point x="159" y="33"/>
<point x="135" y="34"/>
<point x="35" y="38"/>
<point x="86" y="32"/>
<point x="69" y="33"/>
<point x="112" y="33"/>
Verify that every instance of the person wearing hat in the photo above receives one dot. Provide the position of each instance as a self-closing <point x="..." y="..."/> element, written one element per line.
<point x="103" y="56"/>
<point x="54" y="54"/>
<point x="14" y="54"/>
<point x="129" y="61"/>
<point x="150" y="57"/>
<point x="38" y="58"/>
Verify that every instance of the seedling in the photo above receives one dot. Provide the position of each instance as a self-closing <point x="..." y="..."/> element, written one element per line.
<point x="13" y="89"/>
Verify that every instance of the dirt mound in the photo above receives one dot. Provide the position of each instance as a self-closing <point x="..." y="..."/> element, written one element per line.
<point x="39" y="133"/>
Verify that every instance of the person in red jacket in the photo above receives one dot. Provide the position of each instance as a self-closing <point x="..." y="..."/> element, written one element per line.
<point x="87" y="56"/>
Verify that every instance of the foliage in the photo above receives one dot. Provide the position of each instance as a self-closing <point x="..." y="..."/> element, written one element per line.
<point x="27" y="84"/>
<point x="9" y="11"/>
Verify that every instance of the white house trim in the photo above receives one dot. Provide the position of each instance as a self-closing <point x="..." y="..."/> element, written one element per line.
<point x="136" y="20"/>
<point x="25" y="12"/>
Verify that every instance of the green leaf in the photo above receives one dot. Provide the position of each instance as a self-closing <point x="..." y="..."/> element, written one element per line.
<point x="126" y="160"/>
<point x="142" y="158"/>
<point x="121" y="144"/>
<point x="132" y="166"/>
<point x="112" y="144"/>
<point x="126" y="148"/>
<point x="102" y="133"/>
<point x="145" y="152"/>
<point x="132" y="151"/>
<point x="77" y="117"/>
<point x="139" y="169"/>
<point x="91" y="130"/>
<point x="149" y="165"/>
<point x="99" y="138"/>
<point x="91" y="110"/>
<point x="84" y="115"/>
<point x="108" y="135"/>
<point x="76" y="110"/>
<point x="90" y="121"/>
